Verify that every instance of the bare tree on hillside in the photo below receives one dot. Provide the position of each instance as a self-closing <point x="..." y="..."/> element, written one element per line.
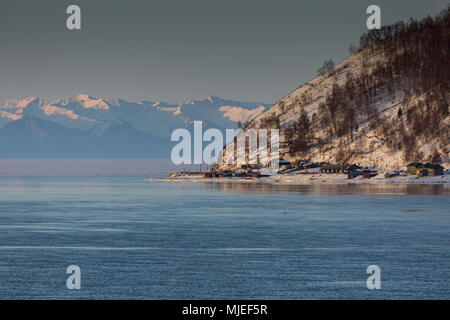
<point x="327" y="67"/>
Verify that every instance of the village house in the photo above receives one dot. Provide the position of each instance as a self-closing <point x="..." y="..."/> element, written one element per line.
<point x="423" y="170"/>
<point x="413" y="168"/>
<point x="352" y="168"/>
<point x="337" y="168"/>
<point x="250" y="166"/>
<point x="353" y="171"/>
<point x="331" y="168"/>
<point x="282" y="164"/>
<point x="305" y="164"/>
<point x="369" y="172"/>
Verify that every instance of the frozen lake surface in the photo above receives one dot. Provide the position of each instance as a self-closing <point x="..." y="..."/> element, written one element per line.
<point x="154" y="240"/>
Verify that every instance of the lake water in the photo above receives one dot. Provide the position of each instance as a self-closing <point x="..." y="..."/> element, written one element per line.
<point x="149" y="240"/>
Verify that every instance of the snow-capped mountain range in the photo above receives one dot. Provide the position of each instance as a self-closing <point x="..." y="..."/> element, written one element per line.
<point x="84" y="126"/>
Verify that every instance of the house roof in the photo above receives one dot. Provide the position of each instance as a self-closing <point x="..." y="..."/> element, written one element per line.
<point x="415" y="164"/>
<point x="426" y="166"/>
<point x="329" y="166"/>
<point x="352" y="166"/>
<point x="282" y="161"/>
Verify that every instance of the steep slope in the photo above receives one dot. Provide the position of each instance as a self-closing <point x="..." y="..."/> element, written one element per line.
<point x="384" y="106"/>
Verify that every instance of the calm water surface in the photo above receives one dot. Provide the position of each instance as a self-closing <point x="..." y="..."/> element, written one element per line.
<point x="149" y="240"/>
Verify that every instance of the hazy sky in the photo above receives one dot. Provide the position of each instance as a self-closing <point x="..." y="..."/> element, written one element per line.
<point x="173" y="50"/>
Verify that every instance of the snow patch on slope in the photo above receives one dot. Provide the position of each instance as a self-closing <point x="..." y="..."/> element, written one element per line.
<point x="10" y="116"/>
<point x="52" y="110"/>
<point x="90" y="103"/>
<point x="240" y="114"/>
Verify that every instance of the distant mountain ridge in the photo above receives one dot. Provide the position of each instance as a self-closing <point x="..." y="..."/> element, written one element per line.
<point x="87" y="127"/>
<point x="31" y="137"/>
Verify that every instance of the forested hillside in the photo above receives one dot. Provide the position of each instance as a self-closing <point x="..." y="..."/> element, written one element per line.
<point x="386" y="105"/>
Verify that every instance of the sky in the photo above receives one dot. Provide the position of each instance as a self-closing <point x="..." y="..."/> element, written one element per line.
<point x="175" y="50"/>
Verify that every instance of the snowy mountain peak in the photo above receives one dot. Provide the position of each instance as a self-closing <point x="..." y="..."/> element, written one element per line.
<point x="82" y="97"/>
<point x="91" y="103"/>
<point x="31" y="100"/>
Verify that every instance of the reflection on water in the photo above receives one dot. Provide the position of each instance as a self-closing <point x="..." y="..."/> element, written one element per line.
<point x="372" y="189"/>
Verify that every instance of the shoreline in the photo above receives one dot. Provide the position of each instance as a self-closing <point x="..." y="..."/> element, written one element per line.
<point x="312" y="179"/>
